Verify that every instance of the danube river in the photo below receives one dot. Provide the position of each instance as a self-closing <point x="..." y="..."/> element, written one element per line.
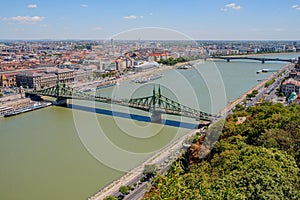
<point x="64" y="153"/>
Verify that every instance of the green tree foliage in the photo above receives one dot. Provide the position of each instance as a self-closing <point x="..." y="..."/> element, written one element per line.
<point x="124" y="189"/>
<point x="172" y="61"/>
<point x="111" y="198"/>
<point x="270" y="82"/>
<point x="150" y="170"/>
<point x="252" y="94"/>
<point x="256" y="159"/>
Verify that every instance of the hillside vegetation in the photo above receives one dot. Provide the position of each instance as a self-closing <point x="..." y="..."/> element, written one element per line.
<point x="258" y="158"/>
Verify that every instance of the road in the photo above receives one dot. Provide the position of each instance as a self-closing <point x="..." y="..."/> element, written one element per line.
<point x="136" y="174"/>
<point x="270" y="91"/>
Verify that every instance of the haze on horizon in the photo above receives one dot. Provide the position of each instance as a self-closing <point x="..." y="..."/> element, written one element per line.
<point x="163" y="20"/>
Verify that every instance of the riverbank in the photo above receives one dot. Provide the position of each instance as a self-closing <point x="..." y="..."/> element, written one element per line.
<point x="155" y="70"/>
<point x="258" y="87"/>
<point x="169" y="67"/>
<point x="136" y="173"/>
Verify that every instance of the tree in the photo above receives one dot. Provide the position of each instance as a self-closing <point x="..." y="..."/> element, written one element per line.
<point x="254" y="160"/>
<point x="255" y="92"/>
<point x="110" y="198"/>
<point x="239" y="107"/>
<point x="260" y="173"/>
<point x="150" y="170"/>
<point x="124" y="189"/>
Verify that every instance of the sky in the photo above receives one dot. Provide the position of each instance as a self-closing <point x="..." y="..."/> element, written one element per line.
<point x="150" y="19"/>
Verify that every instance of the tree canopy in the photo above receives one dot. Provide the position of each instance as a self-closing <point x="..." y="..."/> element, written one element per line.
<point x="256" y="159"/>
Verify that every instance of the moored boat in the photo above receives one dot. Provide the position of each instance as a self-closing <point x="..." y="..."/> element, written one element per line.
<point x="148" y="78"/>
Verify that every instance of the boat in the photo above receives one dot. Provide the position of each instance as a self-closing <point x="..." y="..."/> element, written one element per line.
<point x="259" y="80"/>
<point x="185" y="66"/>
<point x="35" y="106"/>
<point x="141" y="80"/>
<point x="266" y="70"/>
<point x="106" y="85"/>
<point x="148" y="78"/>
<point x="155" y="76"/>
<point x="4" y="110"/>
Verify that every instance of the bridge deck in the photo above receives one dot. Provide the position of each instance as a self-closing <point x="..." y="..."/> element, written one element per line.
<point x="156" y="102"/>
<point x="253" y="58"/>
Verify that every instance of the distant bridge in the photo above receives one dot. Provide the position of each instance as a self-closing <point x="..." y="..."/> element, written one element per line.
<point x="157" y="104"/>
<point x="262" y="60"/>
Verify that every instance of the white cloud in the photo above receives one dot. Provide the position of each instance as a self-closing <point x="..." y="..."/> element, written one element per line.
<point x="24" y="19"/>
<point x="98" y="28"/>
<point x="31" y="6"/>
<point x="130" y="17"/>
<point x="232" y="6"/>
<point x="296" y="7"/>
<point x="83" y="5"/>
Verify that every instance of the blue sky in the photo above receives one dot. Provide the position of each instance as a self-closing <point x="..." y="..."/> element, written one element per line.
<point x="198" y="19"/>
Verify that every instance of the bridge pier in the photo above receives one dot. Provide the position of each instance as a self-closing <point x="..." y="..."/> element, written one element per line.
<point x="263" y="61"/>
<point x="156" y="116"/>
<point x="60" y="102"/>
<point x="228" y="60"/>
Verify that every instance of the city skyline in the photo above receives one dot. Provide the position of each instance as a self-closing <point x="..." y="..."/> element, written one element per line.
<point x="199" y="20"/>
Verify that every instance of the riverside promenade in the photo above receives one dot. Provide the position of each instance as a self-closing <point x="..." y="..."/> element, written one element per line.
<point x="135" y="174"/>
<point x="259" y="87"/>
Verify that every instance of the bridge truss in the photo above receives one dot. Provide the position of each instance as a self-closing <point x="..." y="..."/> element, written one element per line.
<point x="155" y="103"/>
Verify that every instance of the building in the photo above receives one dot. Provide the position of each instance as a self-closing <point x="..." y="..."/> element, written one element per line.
<point x="8" y="80"/>
<point x="48" y="80"/>
<point x="83" y="74"/>
<point x="295" y="75"/>
<point x="146" y="66"/>
<point x="124" y="63"/>
<point x="29" y="79"/>
<point x="38" y="79"/>
<point x="65" y="75"/>
<point x="290" y="86"/>
<point x="158" y="56"/>
<point x="120" y="64"/>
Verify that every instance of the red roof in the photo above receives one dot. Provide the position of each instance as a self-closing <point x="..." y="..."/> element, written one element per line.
<point x="157" y="54"/>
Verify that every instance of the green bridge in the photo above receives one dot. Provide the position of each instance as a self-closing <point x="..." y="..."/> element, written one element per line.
<point x="157" y="103"/>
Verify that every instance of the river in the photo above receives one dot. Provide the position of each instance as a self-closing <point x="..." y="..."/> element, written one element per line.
<point x="63" y="153"/>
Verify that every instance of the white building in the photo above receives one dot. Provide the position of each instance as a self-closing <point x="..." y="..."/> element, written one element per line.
<point x="290" y="86"/>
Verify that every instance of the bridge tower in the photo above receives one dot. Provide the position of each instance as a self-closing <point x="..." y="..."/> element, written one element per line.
<point x="59" y="101"/>
<point x="156" y="103"/>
